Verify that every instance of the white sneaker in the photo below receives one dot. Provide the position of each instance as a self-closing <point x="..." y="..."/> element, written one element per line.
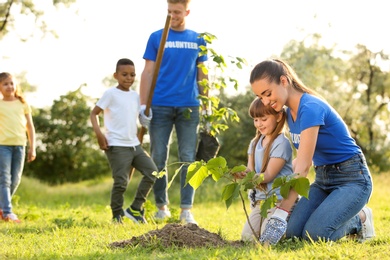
<point x="162" y="214"/>
<point x="368" y="230"/>
<point x="187" y="217"/>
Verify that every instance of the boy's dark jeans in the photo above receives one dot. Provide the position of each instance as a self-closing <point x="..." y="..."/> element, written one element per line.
<point x="121" y="159"/>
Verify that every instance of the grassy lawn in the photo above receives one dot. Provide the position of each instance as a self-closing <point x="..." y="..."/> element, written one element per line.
<point x="73" y="221"/>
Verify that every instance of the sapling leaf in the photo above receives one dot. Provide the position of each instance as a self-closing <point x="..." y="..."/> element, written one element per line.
<point x="267" y="204"/>
<point x="278" y="182"/>
<point x="192" y="169"/>
<point x="301" y="186"/>
<point x="285" y="189"/>
<point x="217" y="162"/>
<point x="159" y="174"/>
<point x="239" y="168"/>
<point x="230" y="192"/>
<point x="199" y="177"/>
<point x="217" y="167"/>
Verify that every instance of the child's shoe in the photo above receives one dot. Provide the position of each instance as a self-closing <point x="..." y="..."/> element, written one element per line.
<point x="117" y="219"/>
<point x="11" y="217"/>
<point x="137" y="216"/>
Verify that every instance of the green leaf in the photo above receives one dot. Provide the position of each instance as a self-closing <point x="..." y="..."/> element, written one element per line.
<point x="229" y="193"/>
<point x="285" y="189"/>
<point x="216" y="167"/>
<point x="267" y="204"/>
<point x="192" y="169"/>
<point x="239" y="168"/>
<point x="196" y="180"/>
<point x="216" y="162"/>
<point x="278" y="182"/>
<point x="159" y="174"/>
<point x="302" y="186"/>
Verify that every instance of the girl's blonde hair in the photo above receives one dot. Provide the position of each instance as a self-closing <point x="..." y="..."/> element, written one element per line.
<point x="18" y="91"/>
<point x="258" y="109"/>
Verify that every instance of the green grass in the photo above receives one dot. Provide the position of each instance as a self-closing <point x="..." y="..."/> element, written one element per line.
<point x="73" y="221"/>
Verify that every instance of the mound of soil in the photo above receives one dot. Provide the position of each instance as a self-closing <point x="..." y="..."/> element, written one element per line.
<point x="189" y="235"/>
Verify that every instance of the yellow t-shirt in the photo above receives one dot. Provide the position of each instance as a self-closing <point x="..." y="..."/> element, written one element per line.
<point x="13" y="122"/>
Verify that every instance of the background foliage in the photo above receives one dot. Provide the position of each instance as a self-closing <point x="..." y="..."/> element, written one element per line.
<point x="67" y="147"/>
<point x="355" y="82"/>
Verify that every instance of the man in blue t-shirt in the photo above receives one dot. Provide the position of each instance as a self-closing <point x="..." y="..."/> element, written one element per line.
<point x="175" y="102"/>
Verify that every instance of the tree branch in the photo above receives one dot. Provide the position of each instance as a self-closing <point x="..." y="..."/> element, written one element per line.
<point x="6" y="16"/>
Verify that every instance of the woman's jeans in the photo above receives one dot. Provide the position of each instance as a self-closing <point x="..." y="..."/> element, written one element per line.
<point x="186" y="120"/>
<point x="336" y="197"/>
<point x="11" y="168"/>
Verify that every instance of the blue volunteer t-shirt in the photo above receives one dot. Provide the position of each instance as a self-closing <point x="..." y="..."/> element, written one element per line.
<point x="334" y="142"/>
<point x="177" y="79"/>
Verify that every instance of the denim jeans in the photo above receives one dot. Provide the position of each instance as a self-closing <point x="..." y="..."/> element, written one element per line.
<point x="11" y="168"/>
<point x="121" y="159"/>
<point x="186" y="121"/>
<point x="336" y="197"/>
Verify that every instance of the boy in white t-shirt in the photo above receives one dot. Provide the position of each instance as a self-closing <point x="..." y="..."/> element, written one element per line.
<point x="121" y="106"/>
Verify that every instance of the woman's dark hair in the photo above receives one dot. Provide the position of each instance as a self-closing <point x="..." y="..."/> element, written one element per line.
<point x="274" y="69"/>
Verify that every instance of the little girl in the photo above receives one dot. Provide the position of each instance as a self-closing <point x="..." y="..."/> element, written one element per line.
<point x="269" y="153"/>
<point x="15" y="120"/>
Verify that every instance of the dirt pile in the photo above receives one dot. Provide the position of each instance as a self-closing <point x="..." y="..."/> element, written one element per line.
<point x="189" y="235"/>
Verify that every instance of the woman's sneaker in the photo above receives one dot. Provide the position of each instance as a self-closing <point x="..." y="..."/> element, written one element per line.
<point x="368" y="230"/>
<point x="11" y="217"/>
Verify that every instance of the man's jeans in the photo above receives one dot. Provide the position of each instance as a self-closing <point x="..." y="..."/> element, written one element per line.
<point x="11" y="168"/>
<point x="336" y="197"/>
<point x="186" y="120"/>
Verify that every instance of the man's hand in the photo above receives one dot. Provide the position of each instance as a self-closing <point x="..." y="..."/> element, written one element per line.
<point x="143" y="119"/>
<point x="275" y="228"/>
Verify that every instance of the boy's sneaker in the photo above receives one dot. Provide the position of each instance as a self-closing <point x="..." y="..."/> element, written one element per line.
<point x="368" y="230"/>
<point x="117" y="219"/>
<point x="11" y="218"/>
<point x="135" y="215"/>
<point x="187" y="217"/>
<point x="162" y="214"/>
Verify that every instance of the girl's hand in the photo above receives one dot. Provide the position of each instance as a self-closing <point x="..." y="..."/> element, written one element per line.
<point x="31" y="155"/>
<point x="239" y="175"/>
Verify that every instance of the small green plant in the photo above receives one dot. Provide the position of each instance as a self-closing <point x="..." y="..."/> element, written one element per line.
<point x="217" y="118"/>
<point x="218" y="169"/>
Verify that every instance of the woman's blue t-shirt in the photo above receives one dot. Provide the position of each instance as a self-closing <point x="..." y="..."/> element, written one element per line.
<point x="334" y="142"/>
